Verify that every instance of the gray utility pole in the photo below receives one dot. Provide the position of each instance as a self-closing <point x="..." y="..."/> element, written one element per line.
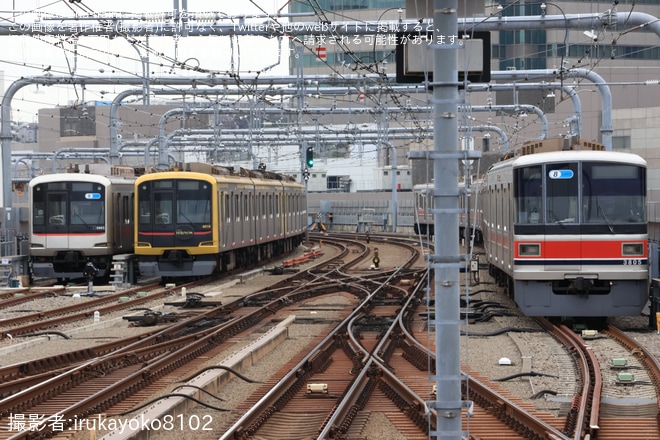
<point x="446" y="260"/>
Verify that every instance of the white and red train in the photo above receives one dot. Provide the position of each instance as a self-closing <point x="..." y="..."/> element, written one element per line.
<point x="79" y="218"/>
<point x="566" y="232"/>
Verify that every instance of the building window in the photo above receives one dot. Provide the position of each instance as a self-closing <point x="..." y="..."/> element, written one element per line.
<point x="621" y="142"/>
<point x="335" y="5"/>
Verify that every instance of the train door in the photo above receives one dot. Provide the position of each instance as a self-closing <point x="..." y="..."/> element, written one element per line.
<point x="249" y="227"/>
<point x="562" y="217"/>
<point x="260" y="215"/>
<point x="224" y="218"/>
<point x="278" y="217"/>
<point x="270" y="214"/>
<point x="498" y="226"/>
<point x="507" y="222"/>
<point x="122" y="233"/>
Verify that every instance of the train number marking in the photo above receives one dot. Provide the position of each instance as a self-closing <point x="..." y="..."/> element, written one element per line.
<point x="632" y="262"/>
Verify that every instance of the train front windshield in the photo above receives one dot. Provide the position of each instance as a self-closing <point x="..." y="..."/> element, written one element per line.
<point x="68" y="207"/>
<point x="174" y="212"/>
<point x="583" y="193"/>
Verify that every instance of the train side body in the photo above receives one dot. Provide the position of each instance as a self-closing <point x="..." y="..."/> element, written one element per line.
<point x="192" y="223"/>
<point x="470" y="215"/>
<point x="77" y="218"/>
<point x="567" y="232"/>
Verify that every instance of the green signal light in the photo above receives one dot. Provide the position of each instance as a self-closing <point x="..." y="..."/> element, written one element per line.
<point x="309" y="157"/>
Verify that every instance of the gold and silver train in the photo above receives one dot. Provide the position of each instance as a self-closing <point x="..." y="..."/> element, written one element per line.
<point x="210" y="219"/>
<point x="189" y="223"/>
<point x="566" y="231"/>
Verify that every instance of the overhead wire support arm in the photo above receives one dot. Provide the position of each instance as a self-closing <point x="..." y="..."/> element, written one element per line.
<point x="431" y="155"/>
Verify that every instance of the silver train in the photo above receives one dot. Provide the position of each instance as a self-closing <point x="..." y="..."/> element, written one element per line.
<point x="566" y="232"/>
<point x="470" y="217"/>
<point x="79" y="218"/>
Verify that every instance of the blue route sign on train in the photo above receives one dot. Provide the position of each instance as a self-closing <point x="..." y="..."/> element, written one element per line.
<point x="561" y="174"/>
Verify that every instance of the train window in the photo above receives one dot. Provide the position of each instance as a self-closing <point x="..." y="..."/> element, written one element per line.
<point x="126" y="211"/>
<point x="87" y="205"/>
<point x="237" y="205"/>
<point x="193" y="202"/>
<point x="613" y="193"/>
<point x="56" y="209"/>
<point x="263" y="206"/>
<point x="163" y="207"/>
<point x="38" y="206"/>
<point x="528" y="194"/>
<point x="193" y="211"/>
<point x="87" y="212"/>
<point x="38" y="219"/>
<point x="84" y="186"/>
<point x="144" y="204"/>
<point x="562" y="193"/>
<point x="163" y="184"/>
<point x="52" y="186"/>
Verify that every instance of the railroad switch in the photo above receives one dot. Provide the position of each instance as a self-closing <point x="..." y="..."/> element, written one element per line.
<point x="589" y="334"/>
<point x="317" y="390"/>
<point x="151" y="318"/>
<point x="194" y="301"/>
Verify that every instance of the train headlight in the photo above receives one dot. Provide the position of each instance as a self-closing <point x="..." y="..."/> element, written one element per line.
<point x="529" y="250"/>
<point x="632" y="249"/>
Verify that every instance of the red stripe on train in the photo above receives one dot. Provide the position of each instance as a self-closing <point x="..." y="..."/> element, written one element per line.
<point x="571" y="249"/>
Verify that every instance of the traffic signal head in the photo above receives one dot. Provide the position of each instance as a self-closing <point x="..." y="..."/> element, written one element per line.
<point x="309" y="157"/>
<point x="90" y="271"/>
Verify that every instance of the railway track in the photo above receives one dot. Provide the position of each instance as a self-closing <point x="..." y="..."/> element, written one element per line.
<point x="639" y="414"/>
<point x="341" y="373"/>
<point x="375" y="367"/>
<point x="157" y="361"/>
<point x="391" y="377"/>
<point x="44" y="320"/>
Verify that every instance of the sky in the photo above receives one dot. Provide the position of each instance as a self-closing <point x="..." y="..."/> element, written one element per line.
<point x="27" y="56"/>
